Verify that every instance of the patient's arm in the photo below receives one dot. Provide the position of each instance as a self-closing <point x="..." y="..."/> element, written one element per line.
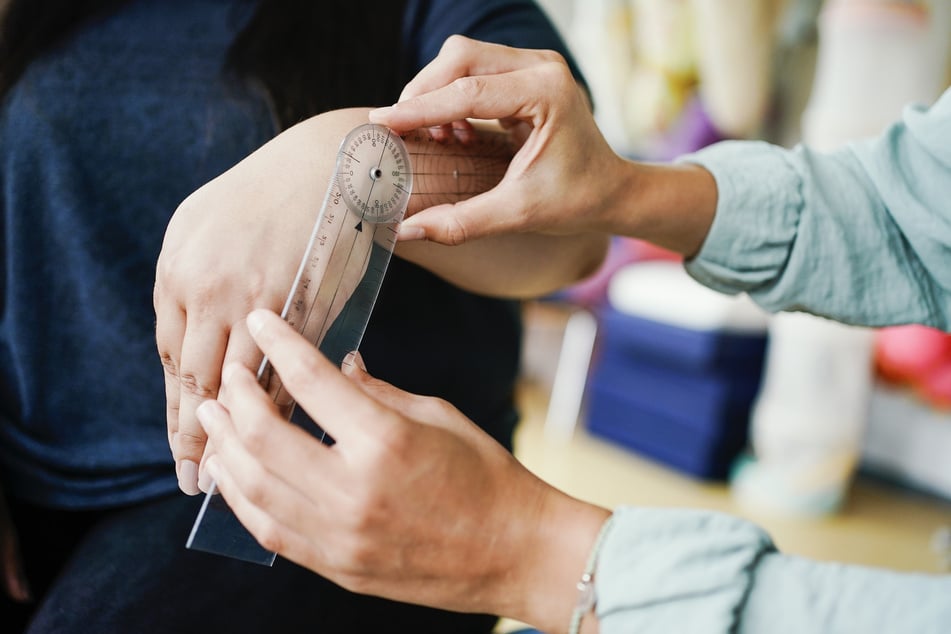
<point x="235" y="245"/>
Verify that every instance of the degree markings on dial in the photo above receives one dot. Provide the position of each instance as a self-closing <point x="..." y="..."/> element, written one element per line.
<point x="392" y="179"/>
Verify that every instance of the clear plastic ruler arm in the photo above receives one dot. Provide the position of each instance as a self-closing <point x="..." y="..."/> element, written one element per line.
<point x="333" y="294"/>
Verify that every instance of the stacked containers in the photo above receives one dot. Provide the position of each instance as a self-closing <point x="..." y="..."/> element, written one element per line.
<point x="676" y="369"/>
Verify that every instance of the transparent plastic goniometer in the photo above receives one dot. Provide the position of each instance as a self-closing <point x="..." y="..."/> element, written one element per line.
<point x="340" y="275"/>
<point x="333" y="293"/>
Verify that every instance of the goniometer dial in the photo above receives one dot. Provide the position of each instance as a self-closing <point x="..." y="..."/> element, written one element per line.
<point x="374" y="174"/>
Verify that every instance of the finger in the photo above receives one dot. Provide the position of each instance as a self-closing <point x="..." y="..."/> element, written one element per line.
<point x="14" y="581"/>
<point x="423" y="409"/>
<point x="353" y="361"/>
<point x="385" y="393"/>
<point x="479" y="97"/>
<point x="464" y="132"/>
<point x="203" y="351"/>
<point x="272" y="534"/>
<point x="252" y="420"/>
<point x="457" y="223"/>
<point x="265" y="502"/>
<point x="441" y="133"/>
<point x="169" y="332"/>
<point x="317" y="385"/>
<point x="205" y="480"/>
<point x="461" y="57"/>
<point x="241" y="350"/>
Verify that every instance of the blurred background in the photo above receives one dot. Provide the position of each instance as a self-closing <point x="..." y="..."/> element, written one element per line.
<point x="641" y="387"/>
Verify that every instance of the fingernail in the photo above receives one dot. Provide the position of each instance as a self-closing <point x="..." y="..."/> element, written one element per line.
<point x="439" y="133"/>
<point x="227" y="373"/>
<point x="351" y="361"/>
<point x="205" y="411"/>
<point x="255" y="321"/>
<point x="464" y="135"/>
<point x="358" y="359"/>
<point x="408" y="233"/>
<point x="380" y="113"/>
<point x="20" y="589"/>
<point x="204" y="479"/>
<point x="212" y="468"/>
<point x="188" y="477"/>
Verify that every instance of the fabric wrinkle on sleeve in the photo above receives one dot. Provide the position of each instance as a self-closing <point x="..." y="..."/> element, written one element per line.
<point x="704" y="572"/>
<point x="910" y="165"/>
<point x="676" y="570"/>
<point x="861" y="234"/>
<point x="759" y="202"/>
<point x="794" y="594"/>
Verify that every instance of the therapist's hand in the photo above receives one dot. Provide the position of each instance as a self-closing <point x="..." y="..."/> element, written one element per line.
<point x="563" y="176"/>
<point x="413" y="502"/>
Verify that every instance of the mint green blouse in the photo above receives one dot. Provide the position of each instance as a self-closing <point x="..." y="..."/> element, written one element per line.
<point x="861" y="235"/>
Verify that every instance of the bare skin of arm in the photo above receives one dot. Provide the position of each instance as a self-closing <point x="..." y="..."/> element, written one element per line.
<point x="235" y="245"/>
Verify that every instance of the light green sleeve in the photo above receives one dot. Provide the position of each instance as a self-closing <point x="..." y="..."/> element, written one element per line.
<point x="699" y="572"/>
<point x="861" y="235"/>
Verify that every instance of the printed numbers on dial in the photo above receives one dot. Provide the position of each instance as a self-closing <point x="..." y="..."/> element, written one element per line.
<point x="374" y="173"/>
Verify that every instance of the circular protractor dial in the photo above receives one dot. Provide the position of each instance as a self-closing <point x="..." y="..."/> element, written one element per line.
<point x="374" y="173"/>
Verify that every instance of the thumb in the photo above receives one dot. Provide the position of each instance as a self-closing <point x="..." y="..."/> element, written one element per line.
<point x="381" y="391"/>
<point x="488" y="214"/>
<point x="420" y="409"/>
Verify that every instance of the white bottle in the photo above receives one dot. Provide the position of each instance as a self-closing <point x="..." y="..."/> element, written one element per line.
<point x="809" y="418"/>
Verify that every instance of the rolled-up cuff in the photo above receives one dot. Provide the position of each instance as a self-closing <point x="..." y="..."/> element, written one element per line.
<point x="758" y="209"/>
<point x="673" y="570"/>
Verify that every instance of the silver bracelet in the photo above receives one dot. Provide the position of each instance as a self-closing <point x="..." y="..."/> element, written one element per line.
<point x="587" y="596"/>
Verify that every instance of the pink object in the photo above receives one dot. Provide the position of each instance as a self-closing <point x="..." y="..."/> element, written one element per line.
<point x="935" y="388"/>
<point x="623" y="251"/>
<point x="919" y="357"/>
<point x="911" y="353"/>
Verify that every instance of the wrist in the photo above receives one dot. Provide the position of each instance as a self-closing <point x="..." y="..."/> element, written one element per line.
<point x="584" y="618"/>
<point x="553" y="559"/>
<point x="671" y="206"/>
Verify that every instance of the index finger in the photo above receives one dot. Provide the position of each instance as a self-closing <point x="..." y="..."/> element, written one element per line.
<point x="461" y="56"/>
<point x="512" y="95"/>
<point x="522" y="93"/>
<point x="338" y="406"/>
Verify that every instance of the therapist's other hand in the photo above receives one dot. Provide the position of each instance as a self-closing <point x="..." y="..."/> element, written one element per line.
<point x="413" y="502"/>
<point x="564" y="171"/>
